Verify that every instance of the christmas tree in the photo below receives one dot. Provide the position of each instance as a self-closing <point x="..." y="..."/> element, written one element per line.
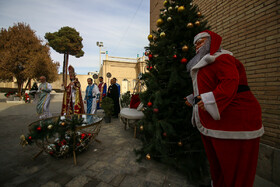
<point x="166" y="131"/>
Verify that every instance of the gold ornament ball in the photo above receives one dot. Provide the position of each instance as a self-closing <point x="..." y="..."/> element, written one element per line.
<point x="185" y="48"/>
<point x="63" y="123"/>
<point x="165" y="3"/>
<point x="50" y="127"/>
<point x="197" y="23"/>
<point x="159" y="22"/>
<point x="181" y="9"/>
<point x="180" y="143"/>
<point x="169" y="19"/>
<point x="162" y="34"/>
<point x="141" y="127"/>
<point x="189" y="25"/>
<point x="150" y="37"/>
<point x="176" y="7"/>
<point x="148" y="157"/>
<point x="199" y="14"/>
<point x="170" y="9"/>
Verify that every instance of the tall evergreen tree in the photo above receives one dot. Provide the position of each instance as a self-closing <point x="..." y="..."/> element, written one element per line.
<point x="166" y="131"/>
<point x="66" y="41"/>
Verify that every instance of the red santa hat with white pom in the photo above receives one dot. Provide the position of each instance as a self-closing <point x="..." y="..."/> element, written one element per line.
<point x="216" y="40"/>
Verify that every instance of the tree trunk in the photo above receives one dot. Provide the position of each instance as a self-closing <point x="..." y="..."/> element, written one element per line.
<point x="19" y="83"/>
<point x="66" y="64"/>
<point x="63" y="73"/>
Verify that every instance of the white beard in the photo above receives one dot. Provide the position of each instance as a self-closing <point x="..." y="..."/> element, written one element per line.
<point x="201" y="52"/>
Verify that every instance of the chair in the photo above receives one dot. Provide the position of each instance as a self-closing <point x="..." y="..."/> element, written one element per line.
<point x="130" y="116"/>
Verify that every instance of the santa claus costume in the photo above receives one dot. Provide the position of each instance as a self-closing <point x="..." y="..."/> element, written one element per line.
<point x="231" y="125"/>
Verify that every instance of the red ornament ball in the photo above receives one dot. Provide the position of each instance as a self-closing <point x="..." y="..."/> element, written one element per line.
<point x="174" y="56"/>
<point x="155" y="110"/>
<point x="150" y="104"/>
<point x="30" y="137"/>
<point x="150" y="56"/>
<point x="39" y="128"/>
<point x="184" y="60"/>
<point x="164" y="134"/>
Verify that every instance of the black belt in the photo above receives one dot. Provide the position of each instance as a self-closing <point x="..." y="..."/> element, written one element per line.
<point x="243" y="88"/>
<point x="196" y="100"/>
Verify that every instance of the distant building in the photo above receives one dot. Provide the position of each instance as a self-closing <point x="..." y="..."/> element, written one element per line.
<point x="125" y="70"/>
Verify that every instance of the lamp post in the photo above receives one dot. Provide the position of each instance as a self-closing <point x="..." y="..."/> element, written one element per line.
<point x="100" y="45"/>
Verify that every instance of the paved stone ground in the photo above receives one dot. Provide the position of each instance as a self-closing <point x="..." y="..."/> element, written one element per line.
<point x="111" y="163"/>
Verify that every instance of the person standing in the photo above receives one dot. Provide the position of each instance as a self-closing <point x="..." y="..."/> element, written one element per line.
<point x="103" y="90"/>
<point x="44" y="98"/>
<point x="72" y="98"/>
<point x="119" y="87"/>
<point x="114" y="94"/>
<point x="225" y="112"/>
<point x="91" y="97"/>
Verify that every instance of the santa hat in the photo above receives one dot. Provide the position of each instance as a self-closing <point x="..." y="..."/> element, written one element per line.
<point x="216" y="40"/>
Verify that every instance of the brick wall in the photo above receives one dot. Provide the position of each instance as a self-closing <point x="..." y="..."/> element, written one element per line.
<point x="251" y="30"/>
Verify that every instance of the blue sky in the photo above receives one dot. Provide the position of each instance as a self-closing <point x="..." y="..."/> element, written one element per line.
<point x="122" y="25"/>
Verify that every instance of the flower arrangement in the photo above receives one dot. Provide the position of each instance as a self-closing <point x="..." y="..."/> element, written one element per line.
<point x="26" y="98"/>
<point x="9" y="93"/>
<point x="56" y="136"/>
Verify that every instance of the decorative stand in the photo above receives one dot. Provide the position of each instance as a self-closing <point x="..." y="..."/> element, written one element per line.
<point x="62" y="136"/>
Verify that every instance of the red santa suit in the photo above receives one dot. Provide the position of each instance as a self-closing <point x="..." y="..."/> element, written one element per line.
<point x="231" y="125"/>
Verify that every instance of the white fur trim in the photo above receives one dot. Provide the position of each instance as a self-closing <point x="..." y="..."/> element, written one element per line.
<point x="246" y="135"/>
<point x="200" y="35"/>
<point x="190" y="98"/>
<point x="211" y="105"/>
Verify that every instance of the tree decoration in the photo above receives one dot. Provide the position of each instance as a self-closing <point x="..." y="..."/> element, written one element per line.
<point x="197" y="23"/>
<point x="165" y="3"/>
<point x="150" y="37"/>
<point x="159" y="22"/>
<point x="181" y="9"/>
<point x="141" y="127"/>
<point x="180" y="143"/>
<point x="150" y="56"/>
<point x="149" y="104"/>
<point x="155" y="110"/>
<point x="148" y="157"/>
<point x="170" y="9"/>
<point x="164" y="134"/>
<point x="169" y="19"/>
<point x="50" y="127"/>
<point x="39" y="128"/>
<point x="63" y="123"/>
<point x="185" y="48"/>
<point x="189" y="25"/>
<point x="175" y="56"/>
<point x="199" y="14"/>
<point x="162" y="34"/>
<point x="184" y="60"/>
<point x="176" y="7"/>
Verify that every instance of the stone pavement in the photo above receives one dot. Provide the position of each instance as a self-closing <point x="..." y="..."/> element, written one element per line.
<point x="112" y="163"/>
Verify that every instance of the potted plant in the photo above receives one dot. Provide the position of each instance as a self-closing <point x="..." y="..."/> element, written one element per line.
<point x="108" y="107"/>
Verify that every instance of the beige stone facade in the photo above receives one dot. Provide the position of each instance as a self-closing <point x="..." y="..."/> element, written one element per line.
<point x="125" y="70"/>
<point x="251" y="30"/>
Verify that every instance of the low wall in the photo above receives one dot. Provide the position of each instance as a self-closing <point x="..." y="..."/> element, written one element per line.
<point x="269" y="164"/>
